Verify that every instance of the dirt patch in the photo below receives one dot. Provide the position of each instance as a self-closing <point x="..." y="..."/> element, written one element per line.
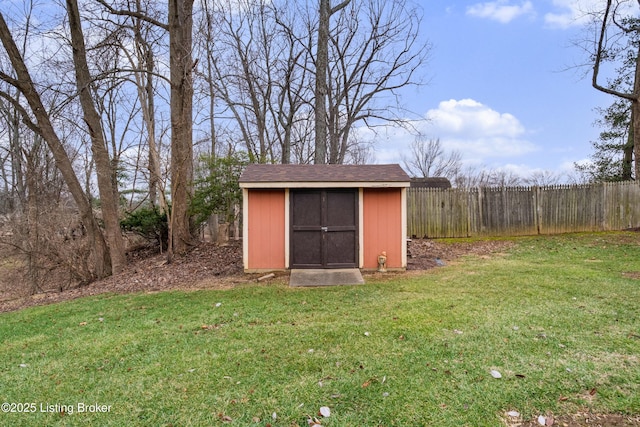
<point x="423" y="254"/>
<point x="580" y="419"/>
<point x="206" y="266"/>
<point x="632" y="274"/>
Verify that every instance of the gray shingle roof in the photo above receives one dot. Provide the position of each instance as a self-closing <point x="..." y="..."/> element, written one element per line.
<point x="262" y="174"/>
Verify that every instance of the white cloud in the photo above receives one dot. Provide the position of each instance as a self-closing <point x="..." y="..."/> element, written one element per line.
<point x="571" y="13"/>
<point x="482" y="134"/>
<point x="576" y="13"/>
<point x="468" y="116"/>
<point x="500" y="10"/>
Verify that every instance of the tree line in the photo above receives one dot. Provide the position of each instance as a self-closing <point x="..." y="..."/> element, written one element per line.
<point x="110" y="105"/>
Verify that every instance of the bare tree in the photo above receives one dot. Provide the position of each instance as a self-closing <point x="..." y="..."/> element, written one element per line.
<point x="618" y="40"/>
<point x="325" y="11"/>
<point x="257" y="70"/>
<point x="142" y="61"/>
<point x="179" y="27"/>
<point x="473" y="176"/>
<point x="542" y="178"/>
<point x="427" y="158"/>
<point x="108" y="191"/>
<point x="375" y="50"/>
<point x="42" y="125"/>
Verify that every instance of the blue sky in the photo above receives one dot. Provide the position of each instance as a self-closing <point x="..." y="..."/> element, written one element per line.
<point x="503" y="87"/>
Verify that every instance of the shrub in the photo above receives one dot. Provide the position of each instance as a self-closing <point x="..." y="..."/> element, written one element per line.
<point x="218" y="191"/>
<point x="149" y="223"/>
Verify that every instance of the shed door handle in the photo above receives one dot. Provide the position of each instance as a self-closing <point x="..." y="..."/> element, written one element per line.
<point x="324" y="228"/>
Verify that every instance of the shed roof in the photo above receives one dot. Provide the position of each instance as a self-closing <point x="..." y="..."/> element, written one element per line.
<point x="285" y="176"/>
<point x="431" y="182"/>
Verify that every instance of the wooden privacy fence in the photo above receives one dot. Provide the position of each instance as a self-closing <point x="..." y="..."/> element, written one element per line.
<point x="510" y="211"/>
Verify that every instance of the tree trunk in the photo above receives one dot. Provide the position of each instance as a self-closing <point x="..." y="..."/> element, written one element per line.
<point x="16" y="161"/>
<point x="635" y="120"/>
<point x="24" y="83"/>
<point x="628" y="150"/>
<point x="322" y="63"/>
<point x="32" y="224"/>
<point x="322" y="58"/>
<point x="104" y="170"/>
<point x="635" y="115"/>
<point x="181" y="67"/>
<point x="156" y="192"/>
<point x="147" y="104"/>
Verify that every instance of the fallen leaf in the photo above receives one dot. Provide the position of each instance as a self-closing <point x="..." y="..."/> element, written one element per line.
<point x="495" y="374"/>
<point x="366" y="384"/>
<point x="226" y="419"/>
<point x="255" y="419"/>
<point x="593" y="391"/>
<point x="563" y="398"/>
<point x="549" y="422"/>
<point x="521" y="376"/>
<point x="542" y="420"/>
<point x="83" y="323"/>
<point x="325" y="411"/>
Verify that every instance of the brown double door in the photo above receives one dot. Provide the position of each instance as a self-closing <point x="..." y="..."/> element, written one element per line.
<point x="324" y="228"/>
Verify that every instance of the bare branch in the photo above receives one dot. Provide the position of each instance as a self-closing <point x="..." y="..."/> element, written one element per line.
<point x="600" y="51"/>
<point x="339" y="7"/>
<point x="26" y="119"/>
<point x="130" y="13"/>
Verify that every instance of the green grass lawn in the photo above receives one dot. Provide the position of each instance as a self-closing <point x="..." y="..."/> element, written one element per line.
<point x="558" y="317"/>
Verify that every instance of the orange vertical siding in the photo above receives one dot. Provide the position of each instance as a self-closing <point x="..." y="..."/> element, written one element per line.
<point x="266" y="234"/>
<point x="382" y="226"/>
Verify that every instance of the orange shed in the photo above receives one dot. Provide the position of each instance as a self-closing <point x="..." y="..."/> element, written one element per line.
<point x="324" y="216"/>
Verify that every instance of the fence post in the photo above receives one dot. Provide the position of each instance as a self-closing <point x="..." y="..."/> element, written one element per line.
<point x="538" y="208"/>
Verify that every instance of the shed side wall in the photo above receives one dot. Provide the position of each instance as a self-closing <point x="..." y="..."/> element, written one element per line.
<point x="382" y="227"/>
<point x="266" y="231"/>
